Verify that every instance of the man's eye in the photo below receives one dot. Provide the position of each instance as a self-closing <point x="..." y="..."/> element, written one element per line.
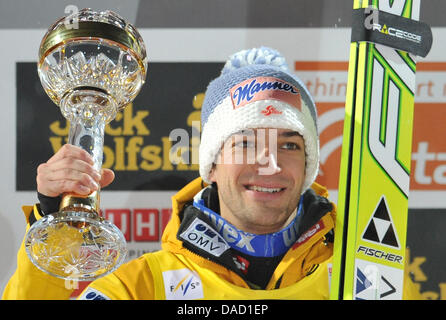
<point x="291" y="146"/>
<point x="244" y="144"/>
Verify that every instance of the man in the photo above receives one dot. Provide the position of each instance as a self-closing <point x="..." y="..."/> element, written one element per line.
<point x="255" y="225"/>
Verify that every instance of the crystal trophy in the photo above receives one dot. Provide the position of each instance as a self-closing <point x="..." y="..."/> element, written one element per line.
<point x="91" y="64"/>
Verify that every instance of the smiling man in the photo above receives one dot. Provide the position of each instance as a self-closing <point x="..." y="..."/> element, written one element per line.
<point x="254" y="225"/>
<point x="259" y="188"/>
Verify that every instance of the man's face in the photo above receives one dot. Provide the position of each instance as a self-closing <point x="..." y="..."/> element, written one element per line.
<point x="259" y="174"/>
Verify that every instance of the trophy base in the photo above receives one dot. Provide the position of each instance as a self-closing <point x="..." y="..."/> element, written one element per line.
<point x="75" y="245"/>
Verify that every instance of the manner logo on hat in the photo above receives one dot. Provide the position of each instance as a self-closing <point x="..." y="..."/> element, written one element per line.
<point x="264" y="88"/>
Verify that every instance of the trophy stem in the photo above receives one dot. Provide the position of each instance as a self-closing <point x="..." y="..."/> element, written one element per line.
<point x="88" y="134"/>
<point x="88" y="109"/>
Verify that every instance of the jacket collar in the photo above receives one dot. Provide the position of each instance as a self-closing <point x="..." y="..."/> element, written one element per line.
<point x="318" y="220"/>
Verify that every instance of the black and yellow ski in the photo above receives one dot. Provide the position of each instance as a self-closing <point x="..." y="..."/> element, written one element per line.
<point x="370" y="235"/>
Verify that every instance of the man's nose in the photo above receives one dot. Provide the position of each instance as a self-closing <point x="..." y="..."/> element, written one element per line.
<point x="267" y="161"/>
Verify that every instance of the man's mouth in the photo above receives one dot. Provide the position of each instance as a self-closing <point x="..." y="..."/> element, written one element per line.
<point x="263" y="189"/>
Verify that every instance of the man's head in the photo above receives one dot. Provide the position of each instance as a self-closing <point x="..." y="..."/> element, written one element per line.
<point x="257" y="101"/>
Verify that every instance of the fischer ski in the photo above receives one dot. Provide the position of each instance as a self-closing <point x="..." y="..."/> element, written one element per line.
<point x="371" y="225"/>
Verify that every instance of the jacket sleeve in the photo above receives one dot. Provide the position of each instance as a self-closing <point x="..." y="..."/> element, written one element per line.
<point x="133" y="280"/>
<point x="28" y="282"/>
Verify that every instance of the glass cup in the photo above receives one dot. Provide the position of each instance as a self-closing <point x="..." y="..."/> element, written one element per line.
<point x="91" y="64"/>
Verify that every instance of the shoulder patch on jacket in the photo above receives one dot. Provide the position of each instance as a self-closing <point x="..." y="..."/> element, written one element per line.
<point x="182" y="284"/>
<point x="201" y="235"/>
<point x="93" y="294"/>
<point x="309" y="233"/>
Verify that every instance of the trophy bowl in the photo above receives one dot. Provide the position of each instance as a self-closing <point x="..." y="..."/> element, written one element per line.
<point x="91" y="64"/>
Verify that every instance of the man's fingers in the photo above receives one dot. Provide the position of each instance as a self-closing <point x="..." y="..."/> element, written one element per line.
<point x="71" y="169"/>
<point x="57" y="187"/>
<point x="67" y="175"/>
<point x="71" y="151"/>
<point x="77" y="187"/>
<point x="107" y="177"/>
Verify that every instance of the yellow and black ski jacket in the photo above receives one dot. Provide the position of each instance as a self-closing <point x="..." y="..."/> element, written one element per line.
<point x="189" y="270"/>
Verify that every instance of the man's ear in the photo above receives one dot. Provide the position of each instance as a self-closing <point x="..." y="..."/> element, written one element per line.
<point x="212" y="173"/>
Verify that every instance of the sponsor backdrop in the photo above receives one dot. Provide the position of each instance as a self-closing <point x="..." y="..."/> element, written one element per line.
<point x="152" y="145"/>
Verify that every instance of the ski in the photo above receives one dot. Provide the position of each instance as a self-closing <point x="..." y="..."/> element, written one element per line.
<point x="371" y="224"/>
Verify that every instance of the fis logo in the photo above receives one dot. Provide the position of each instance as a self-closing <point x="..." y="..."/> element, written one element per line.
<point x="182" y="284"/>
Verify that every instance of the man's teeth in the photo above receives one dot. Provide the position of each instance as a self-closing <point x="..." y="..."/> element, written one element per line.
<point x="262" y="189"/>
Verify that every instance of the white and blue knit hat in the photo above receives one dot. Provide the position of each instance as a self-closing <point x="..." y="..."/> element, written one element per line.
<point x="257" y="90"/>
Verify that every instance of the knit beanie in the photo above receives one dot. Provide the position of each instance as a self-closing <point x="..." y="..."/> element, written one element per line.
<point x="257" y="90"/>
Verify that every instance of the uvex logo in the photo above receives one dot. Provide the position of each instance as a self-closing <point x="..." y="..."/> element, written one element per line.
<point x="269" y="110"/>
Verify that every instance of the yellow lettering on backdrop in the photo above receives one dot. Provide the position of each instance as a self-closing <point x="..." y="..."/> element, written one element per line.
<point x="128" y="151"/>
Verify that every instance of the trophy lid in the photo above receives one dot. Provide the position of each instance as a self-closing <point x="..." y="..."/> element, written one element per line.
<point x="90" y="25"/>
<point x="88" y="55"/>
